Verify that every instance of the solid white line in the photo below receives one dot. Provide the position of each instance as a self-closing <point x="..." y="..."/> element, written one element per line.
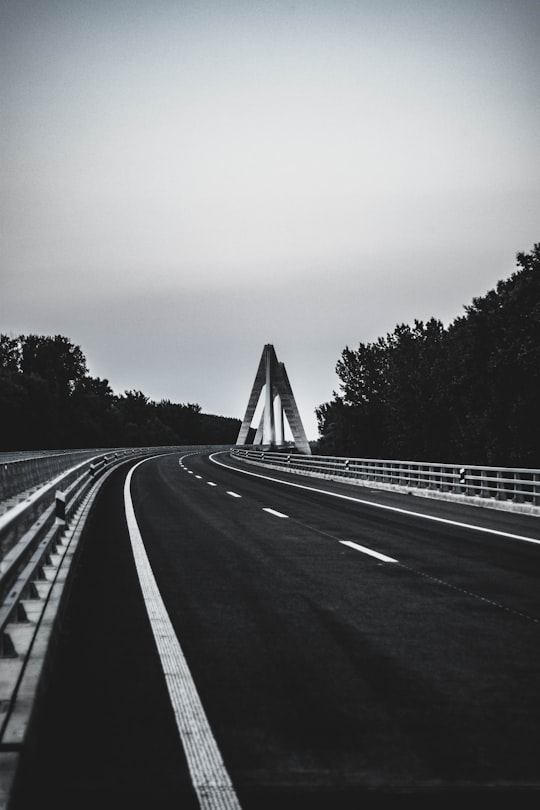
<point x="273" y="512"/>
<point x="234" y="494"/>
<point x="380" y="505"/>
<point x="209" y="776"/>
<point x="369" y="551"/>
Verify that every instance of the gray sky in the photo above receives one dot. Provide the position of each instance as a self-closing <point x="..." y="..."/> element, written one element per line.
<point x="183" y="182"/>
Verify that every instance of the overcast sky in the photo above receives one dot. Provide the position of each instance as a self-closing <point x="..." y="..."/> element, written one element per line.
<point x="184" y="182"/>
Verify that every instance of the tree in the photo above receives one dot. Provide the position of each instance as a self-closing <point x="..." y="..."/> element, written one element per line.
<point x="10" y="353"/>
<point x="48" y="400"/>
<point x="467" y="393"/>
<point x="28" y="416"/>
<point x="54" y="359"/>
<point x="92" y="417"/>
<point x="495" y="348"/>
<point x="415" y="401"/>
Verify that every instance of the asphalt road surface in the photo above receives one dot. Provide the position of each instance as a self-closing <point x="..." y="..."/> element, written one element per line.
<point x="317" y="645"/>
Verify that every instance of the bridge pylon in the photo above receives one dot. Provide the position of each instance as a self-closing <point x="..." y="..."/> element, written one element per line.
<point x="279" y="402"/>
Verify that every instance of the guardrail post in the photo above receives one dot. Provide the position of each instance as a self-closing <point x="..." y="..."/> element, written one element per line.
<point x="536" y="489"/>
<point x="60" y="506"/>
<point x="484" y="486"/>
<point x="441" y="481"/>
<point x="501" y="492"/>
<point x="518" y="497"/>
<point x="7" y="649"/>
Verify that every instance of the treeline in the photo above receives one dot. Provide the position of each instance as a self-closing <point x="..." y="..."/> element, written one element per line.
<point x="466" y="393"/>
<point x="49" y="401"/>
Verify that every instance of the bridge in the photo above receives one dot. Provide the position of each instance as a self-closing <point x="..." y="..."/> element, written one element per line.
<point x="279" y="402"/>
<point x="226" y="627"/>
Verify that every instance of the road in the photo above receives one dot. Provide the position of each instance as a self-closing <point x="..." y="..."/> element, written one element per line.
<point x="348" y="648"/>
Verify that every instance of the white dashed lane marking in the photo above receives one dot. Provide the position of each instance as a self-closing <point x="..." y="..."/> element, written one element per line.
<point x="369" y="551"/>
<point x="273" y="512"/>
<point x="234" y="494"/>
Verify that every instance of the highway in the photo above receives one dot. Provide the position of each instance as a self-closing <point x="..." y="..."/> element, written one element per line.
<point x="324" y="645"/>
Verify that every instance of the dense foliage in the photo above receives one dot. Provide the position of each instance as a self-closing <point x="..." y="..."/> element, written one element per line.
<point x="466" y="393"/>
<point x="48" y="400"/>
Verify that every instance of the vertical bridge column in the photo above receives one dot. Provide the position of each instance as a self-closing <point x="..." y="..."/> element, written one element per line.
<point x="269" y="434"/>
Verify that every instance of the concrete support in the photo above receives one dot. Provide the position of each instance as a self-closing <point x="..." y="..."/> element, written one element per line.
<point x="278" y="396"/>
<point x="269" y="436"/>
<point x="280" y="427"/>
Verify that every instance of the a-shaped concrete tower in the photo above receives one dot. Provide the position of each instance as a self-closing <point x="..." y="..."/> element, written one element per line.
<point x="279" y="399"/>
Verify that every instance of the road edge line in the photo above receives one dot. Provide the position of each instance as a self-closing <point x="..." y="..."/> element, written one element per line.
<point x="209" y="776"/>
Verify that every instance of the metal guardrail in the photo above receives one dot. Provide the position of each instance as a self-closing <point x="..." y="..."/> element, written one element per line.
<point x="33" y="574"/>
<point x="498" y="484"/>
<point x="20" y="474"/>
<point x="31" y="531"/>
<point x="31" y="528"/>
<point x="35" y="562"/>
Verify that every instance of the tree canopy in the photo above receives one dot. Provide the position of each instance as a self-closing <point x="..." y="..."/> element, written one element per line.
<point x="469" y="392"/>
<point x="48" y="400"/>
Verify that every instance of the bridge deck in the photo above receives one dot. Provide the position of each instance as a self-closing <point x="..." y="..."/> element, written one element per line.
<point x="331" y="678"/>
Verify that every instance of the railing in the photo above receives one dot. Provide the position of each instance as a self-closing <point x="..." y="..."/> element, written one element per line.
<point x="39" y="536"/>
<point x="494" y="485"/>
<point x="31" y="531"/>
<point x="20" y="474"/>
<point x="32" y="525"/>
<point x="37" y="516"/>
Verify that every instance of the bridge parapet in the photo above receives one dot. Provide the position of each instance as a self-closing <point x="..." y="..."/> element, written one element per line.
<point x="18" y="475"/>
<point x="514" y="489"/>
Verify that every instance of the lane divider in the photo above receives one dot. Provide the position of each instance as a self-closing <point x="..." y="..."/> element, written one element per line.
<point x="349" y="543"/>
<point x="273" y="512"/>
<point x="369" y="551"/>
<point x="209" y="776"/>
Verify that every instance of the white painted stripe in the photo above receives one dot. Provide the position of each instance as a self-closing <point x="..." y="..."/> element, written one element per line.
<point x="211" y="484"/>
<point x="273" y="512"/>
<point x="209" y="776"/>
<point x="199" y="477"/>
<point x="369" y="551"/>
<point x="234" y="494"/>
<point x="380" y="505"/>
